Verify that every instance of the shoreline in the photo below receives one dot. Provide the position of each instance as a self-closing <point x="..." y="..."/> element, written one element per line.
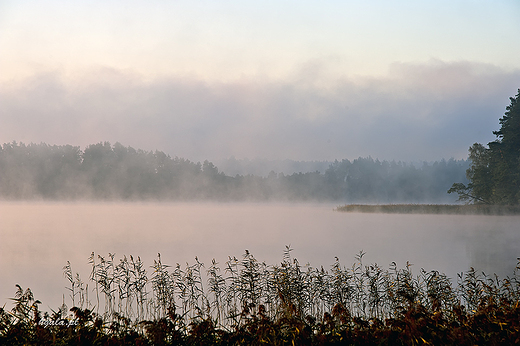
<point x="451" y="209"/>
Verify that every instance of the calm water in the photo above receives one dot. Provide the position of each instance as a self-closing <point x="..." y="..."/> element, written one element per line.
<point x="37" y="239"/>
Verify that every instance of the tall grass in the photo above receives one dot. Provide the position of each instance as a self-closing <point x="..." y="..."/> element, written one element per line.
<point x="245" y="301"/>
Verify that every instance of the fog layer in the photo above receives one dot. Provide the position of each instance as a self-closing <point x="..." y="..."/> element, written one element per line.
<point x="423" y="111"/>
<point x="113" y="172"/>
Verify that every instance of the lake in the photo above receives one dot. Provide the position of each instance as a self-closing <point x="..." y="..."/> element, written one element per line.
<point x="38" y="238"/>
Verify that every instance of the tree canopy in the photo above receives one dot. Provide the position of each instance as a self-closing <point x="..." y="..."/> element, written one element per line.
<point x="494" y="173"/>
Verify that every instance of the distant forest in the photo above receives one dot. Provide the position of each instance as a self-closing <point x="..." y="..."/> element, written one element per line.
<point x="114" y="172"/>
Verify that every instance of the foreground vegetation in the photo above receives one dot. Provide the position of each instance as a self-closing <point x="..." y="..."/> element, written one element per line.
<point x="246" y="302"/>
<point x="467" y="209"/>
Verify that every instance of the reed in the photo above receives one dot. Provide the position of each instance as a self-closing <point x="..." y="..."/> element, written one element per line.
<point x="247" y="302"/>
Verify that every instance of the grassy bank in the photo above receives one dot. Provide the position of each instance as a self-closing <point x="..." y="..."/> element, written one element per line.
<point x="246" y="302"/>
<point x="475" y="209"/>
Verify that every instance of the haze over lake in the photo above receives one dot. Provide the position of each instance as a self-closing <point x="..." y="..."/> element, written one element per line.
<point x="38" y="238"/>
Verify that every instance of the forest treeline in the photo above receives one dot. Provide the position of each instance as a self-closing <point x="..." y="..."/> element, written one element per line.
<point x="104" y="171"/>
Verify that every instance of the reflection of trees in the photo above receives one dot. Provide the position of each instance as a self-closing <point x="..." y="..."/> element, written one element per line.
<point x="105" y="171"/>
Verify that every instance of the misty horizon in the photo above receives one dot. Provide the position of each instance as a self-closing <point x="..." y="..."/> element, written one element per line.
<point x="105" y="171"/>
<point x="259" y="166"/>
<point x="269" y="120"/>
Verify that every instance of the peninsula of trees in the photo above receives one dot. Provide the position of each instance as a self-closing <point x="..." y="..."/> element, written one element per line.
<point x="114" y="172"/>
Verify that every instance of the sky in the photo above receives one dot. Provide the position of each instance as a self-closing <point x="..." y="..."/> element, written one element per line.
<point x="301" y="80"/>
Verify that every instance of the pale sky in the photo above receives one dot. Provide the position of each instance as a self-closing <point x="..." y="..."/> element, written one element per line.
<point x="303" y="80"/>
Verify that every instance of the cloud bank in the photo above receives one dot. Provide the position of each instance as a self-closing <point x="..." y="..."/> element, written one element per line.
<point x="417" y="111"/>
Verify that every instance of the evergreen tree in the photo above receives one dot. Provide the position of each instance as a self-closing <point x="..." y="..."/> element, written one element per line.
<point x="494" y="173"/>
<point x="506" y="155"/>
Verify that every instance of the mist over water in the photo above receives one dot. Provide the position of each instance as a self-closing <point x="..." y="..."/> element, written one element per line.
<point x="38" y="238"/>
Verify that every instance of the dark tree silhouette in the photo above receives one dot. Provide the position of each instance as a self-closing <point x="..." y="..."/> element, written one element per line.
<point x="494" y="174"/>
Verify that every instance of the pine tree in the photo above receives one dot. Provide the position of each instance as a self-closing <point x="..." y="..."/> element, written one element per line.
<point x="505" y="154"/>
<point x="494" y="173"/>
